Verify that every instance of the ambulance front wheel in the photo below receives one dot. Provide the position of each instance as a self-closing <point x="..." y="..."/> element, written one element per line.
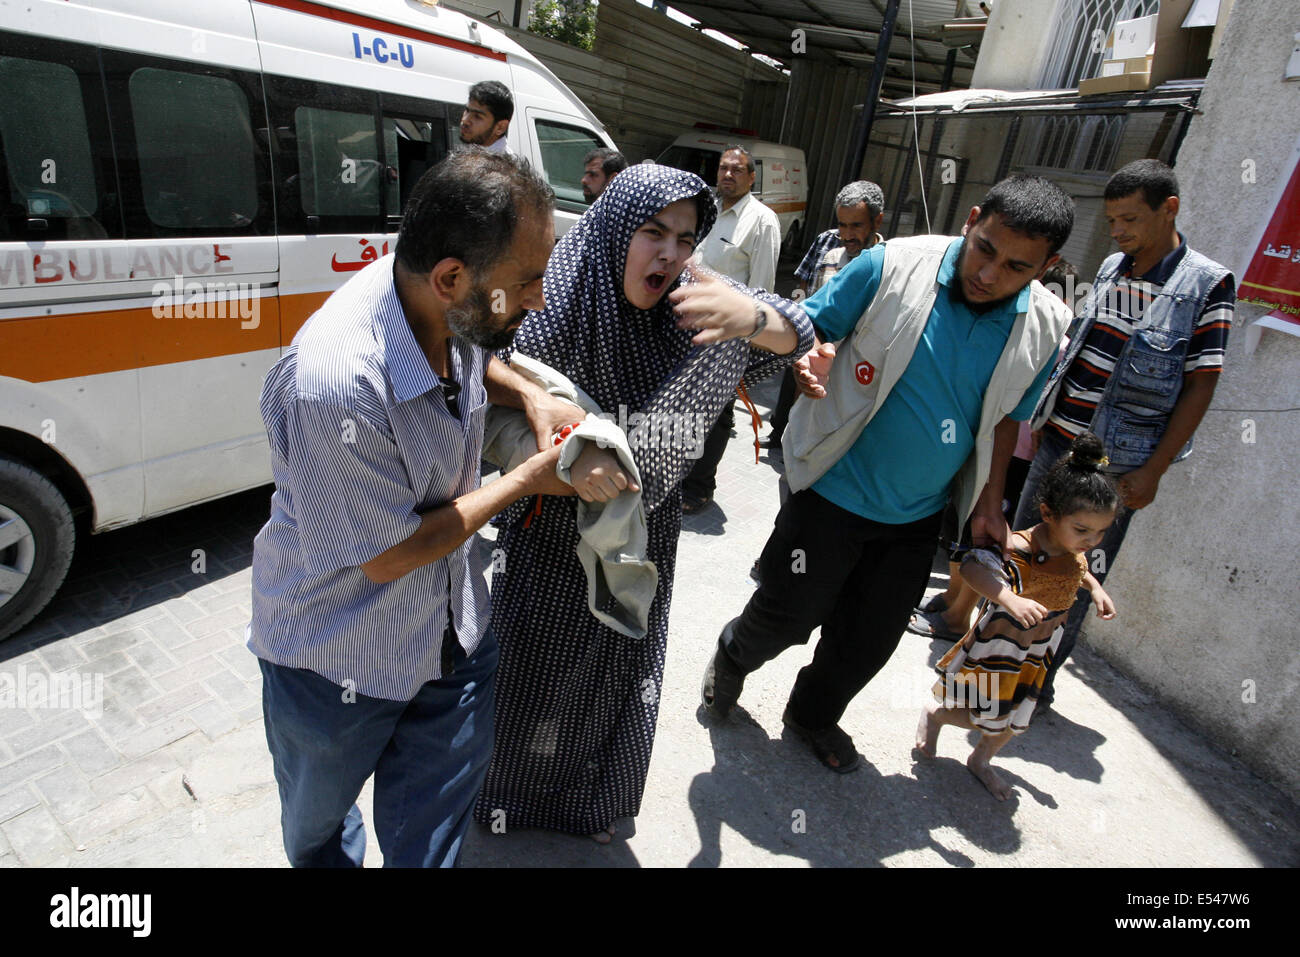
<point x="37" y="539"/>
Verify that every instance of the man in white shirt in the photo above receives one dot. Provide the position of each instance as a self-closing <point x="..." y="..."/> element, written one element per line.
<point x="743" y="245"/>
<point x="746" y="239"/>
<point x="487" y="115"/>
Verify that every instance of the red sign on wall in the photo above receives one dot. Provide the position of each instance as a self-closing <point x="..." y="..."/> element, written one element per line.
<point x="1273" y="277"/>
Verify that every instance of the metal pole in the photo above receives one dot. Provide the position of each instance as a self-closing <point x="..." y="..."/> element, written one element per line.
<point x="936" y="128"/>
<point x="858" y="152"/>
<point x="948" y="66"/>
<point x="904" y="188"/>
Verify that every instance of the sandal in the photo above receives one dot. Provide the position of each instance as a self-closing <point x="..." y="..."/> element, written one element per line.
<point x="833" y="747"/>
<point x="693" y="503"/>
<point x="935" y="605"/>
<point x="929" y="624"/>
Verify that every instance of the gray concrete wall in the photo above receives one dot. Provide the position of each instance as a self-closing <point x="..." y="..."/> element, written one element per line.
<point x="1206" y="582"/>
<point x="1014" y="45"/>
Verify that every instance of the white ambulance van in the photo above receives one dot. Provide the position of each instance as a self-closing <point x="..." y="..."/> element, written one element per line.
<point x="183" y="185"/>
<point x="781" y="181"/>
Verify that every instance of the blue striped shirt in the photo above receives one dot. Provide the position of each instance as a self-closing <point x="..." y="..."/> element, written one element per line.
<point x="362" y="443"/>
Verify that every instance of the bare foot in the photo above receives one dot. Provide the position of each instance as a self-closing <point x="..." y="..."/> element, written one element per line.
<point x="605" y="836"/>
<point x="999" y="788"/>
<point x="927" y="730"/>
<point x="952" y="624"/>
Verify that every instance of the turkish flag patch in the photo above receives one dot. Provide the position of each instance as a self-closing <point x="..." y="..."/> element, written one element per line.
<point x="865" y="372"/>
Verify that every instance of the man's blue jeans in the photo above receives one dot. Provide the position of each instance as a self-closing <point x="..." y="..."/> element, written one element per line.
<point x="1051" y="448"/>
<point x="429" y="756"/>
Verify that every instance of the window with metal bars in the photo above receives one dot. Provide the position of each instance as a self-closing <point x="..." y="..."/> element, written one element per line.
<point x="1079" y="41"/>
<point x="1076" y="142"/>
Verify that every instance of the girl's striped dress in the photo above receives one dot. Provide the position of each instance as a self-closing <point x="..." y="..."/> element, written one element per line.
<point x="998" y="668"/>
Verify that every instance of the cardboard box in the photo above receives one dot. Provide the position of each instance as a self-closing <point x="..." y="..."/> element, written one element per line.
<point x="1135" y="38"/>
<point x="1177" y="54"/>
<point x="1225" y="11"/>
<point x="1115" y="84"/>
<point x="1136" y="64"/>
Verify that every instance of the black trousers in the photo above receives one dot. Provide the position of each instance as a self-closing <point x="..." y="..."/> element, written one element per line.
<point x="784" y="402"/>
<point x="858" y="579"/>
<point x="702" y="479"/>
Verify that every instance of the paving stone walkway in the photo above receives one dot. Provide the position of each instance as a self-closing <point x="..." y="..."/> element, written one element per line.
<point x="174" y="770"/>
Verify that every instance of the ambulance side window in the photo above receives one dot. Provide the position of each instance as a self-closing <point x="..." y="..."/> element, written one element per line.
<point x="56" y="164"/>
<point x="198" y="160"/>
<point x="191" y="147"/>
<point x="338" y="160"/>
<point x="328" y="174"/>
<point x="415" y="138"/>
<point x="563" y="149"/>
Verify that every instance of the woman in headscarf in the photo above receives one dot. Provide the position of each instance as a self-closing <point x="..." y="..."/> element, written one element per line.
<point x="576" y="700"/>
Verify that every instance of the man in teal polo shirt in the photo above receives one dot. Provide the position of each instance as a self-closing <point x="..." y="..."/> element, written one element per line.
<point x="852" y="548"/>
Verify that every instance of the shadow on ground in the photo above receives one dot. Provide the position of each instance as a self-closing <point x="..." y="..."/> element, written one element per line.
<point x="115" y="574"/>
<point x="799" y="809"/>
<point x="1261" y="815"/>
<point x="1068" y="745"/>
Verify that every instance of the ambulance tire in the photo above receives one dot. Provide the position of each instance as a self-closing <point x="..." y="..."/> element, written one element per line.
<point x="37" y="539"/>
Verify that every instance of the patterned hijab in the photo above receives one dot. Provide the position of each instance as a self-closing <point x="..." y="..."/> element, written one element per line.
<point x="619" y="354"/>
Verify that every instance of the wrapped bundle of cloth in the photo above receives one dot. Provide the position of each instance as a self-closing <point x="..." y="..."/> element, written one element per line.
<point x="612" y="536"/>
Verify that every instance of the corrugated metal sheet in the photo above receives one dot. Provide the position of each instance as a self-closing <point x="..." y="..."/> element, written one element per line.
<point x="768" y="27"/>
<point x="650" y="79"/>
<point x="820" y="121"/>
<point x="825" y="87"/>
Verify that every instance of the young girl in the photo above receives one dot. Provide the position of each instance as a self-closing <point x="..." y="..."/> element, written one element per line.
<point x="989" y="681"/>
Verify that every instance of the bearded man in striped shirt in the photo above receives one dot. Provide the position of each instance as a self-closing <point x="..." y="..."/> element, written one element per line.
<point x="370" y="605"/>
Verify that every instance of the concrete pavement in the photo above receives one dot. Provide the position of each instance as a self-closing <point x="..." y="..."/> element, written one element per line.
<point x="175" y="770"/>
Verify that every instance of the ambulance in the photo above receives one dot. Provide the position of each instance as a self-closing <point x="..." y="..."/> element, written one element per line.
<point x="780" y="172"/>
<point x="184" y="185"/>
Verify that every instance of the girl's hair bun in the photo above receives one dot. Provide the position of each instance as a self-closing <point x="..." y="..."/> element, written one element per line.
<point x="1088" y="453"/>
<point x="1078" y="480"/>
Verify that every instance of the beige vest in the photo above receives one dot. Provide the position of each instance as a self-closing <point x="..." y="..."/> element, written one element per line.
<point x="872" y="358"/>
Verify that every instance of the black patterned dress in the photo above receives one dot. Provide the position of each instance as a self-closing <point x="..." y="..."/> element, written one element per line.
<point x="576" y="701"/>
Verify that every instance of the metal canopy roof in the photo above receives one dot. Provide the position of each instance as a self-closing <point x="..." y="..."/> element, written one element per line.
<point x="1176" y="94"/>
<point x="846" y="32"/>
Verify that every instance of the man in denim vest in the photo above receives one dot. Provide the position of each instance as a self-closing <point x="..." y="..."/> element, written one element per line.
<point x="1144" y="357"/>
